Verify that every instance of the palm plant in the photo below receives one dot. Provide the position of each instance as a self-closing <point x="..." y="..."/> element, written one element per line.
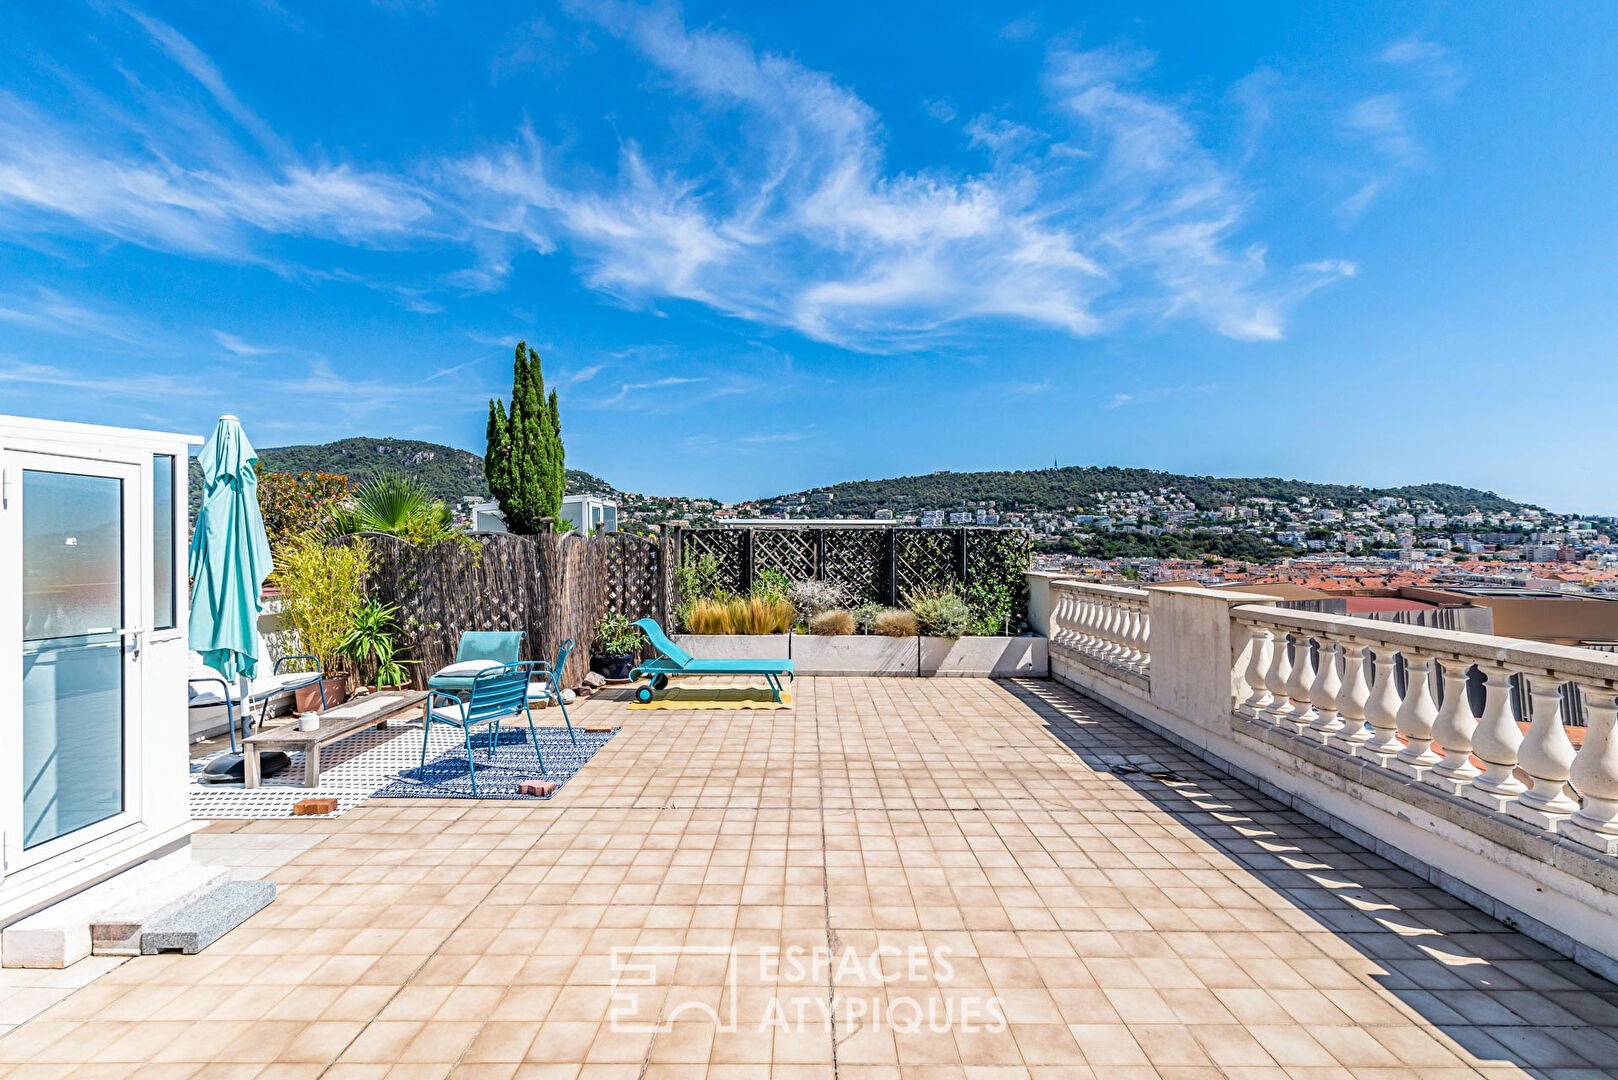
<point x="395" y="505"/>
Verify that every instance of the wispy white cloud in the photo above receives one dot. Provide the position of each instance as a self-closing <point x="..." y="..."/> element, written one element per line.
<point x="627" y="389"/>
<point x="48" y="311"/>
<point x="1020" y="29"/>
<point x="1382" y="127"/>
<point x="803" y="224"/>
<point x="1142" y="397"/>
<point x="240" y="347"/>
<point x="1104" y="209"/>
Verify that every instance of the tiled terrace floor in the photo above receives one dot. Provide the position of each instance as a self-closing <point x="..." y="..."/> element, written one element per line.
<point x="1128" y="927"/>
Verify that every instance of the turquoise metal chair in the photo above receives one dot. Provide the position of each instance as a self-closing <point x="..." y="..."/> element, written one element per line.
<point x="553" y="684"/>
<point x="501" y="646"/>
<point x="496" y="693"/>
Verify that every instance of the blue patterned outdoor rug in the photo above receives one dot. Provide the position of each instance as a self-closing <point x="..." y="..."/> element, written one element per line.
<point x="513" y="761"/>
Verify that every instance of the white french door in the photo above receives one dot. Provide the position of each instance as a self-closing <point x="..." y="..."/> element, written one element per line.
<point x="72" y="626"/>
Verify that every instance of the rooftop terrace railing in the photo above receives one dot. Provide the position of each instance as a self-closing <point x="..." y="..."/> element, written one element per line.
<point x="1447" y="709"/>
<point x="1487" y="764"/>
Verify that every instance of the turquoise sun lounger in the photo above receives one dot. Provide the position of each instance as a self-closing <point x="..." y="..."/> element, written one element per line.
<point x="673" y="660"/>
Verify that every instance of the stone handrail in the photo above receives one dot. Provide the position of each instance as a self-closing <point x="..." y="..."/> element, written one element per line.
<point x="1402" y="698"/>
<point x="1105" y="625"/>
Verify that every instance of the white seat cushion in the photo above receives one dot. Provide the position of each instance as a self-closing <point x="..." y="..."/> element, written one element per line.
<point x="450" y="713"/>
<point x="467" y="669"/>
<point x="537" y="690"/>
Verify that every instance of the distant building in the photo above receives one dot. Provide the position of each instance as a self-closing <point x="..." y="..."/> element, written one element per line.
<point x="932" y="519"/>
<point x="588" y="514"/>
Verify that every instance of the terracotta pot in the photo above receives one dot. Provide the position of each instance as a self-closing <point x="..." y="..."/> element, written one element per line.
<point x="336" y="687"/>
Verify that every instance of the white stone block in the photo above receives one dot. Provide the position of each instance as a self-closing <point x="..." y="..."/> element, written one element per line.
<point x="997" y="657"/>
<point x="117" y="930"/>
<point x="60" y="934"/>
<point x="854" y="654"/>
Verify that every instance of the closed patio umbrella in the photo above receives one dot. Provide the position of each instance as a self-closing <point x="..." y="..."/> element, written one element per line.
<point x="229" y="560"/>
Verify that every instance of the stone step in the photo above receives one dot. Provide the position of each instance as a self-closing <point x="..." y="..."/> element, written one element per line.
<point x="117" y="930"/>
<point x="205" y="920"/>
<point x="59" y="935"/>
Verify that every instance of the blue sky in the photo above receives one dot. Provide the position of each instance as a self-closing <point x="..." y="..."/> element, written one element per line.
<point x="762" y="248"/>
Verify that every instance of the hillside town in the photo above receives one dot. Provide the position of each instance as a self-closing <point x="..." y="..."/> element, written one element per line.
<point x="1382" y="542"/>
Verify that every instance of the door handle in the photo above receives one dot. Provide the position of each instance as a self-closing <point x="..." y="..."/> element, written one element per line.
<point x="138" y="633"/>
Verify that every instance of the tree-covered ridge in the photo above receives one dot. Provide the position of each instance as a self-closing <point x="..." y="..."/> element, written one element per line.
<point x="1078" y="486"/>
<point x="447" y="473"/>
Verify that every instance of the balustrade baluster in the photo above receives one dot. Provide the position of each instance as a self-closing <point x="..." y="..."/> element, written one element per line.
<point x="1143" y="638"/>
<point x="1452" y="729"/>
<point x="1546" y="756"/>
<point x="1299" y="684"/>
<point x="1415" y="718"/>
<point x="1108" y="634"/>
<point x="1258" y="660"/>
<point x="1324" y="693"/>
<point x="1276" y="679"/>
<point x="1352" y="700"/>
<point x="1496" y="741"/>
<point x="1127" y="656"/>
<point x="1595" y="774"/>
<point x="1084" y="634"/>
<point x="1382" y="711"/>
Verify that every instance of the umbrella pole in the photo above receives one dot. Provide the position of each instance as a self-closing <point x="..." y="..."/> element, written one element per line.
<point x="247" y="721"/>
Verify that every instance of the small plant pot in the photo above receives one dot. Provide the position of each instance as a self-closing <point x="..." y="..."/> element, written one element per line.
<point x="336" y="687"/>
<point x="613" y="668"/>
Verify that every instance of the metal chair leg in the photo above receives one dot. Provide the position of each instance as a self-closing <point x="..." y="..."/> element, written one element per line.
<point x="534" y="737"/>
<point x="566" y="719"/>
<point x="471" y="767"/>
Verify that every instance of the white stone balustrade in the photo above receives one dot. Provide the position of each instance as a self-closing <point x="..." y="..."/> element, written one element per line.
<point x="1429" y="732"/>
<point x="1105" y="626"/>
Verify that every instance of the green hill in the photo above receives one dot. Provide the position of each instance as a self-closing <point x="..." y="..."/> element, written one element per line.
<point x="1077" y="486"/>
<point x="449" y="474"/>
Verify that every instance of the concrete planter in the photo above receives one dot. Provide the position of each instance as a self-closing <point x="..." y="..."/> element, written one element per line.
<point x="736" y="646"/>
<point x="999" y="657"/>
<point x="813" y="654"/>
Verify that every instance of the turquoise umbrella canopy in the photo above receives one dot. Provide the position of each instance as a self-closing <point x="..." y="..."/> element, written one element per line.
<point x="230" y="554"/>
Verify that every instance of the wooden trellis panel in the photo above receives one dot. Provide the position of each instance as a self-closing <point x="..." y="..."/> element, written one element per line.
<point x="857" y="560"/>
<point x="925" y="557"/>
<point x="724" y="545"/>
<point x="881" y="564"/>
<point x="789" y="552"/>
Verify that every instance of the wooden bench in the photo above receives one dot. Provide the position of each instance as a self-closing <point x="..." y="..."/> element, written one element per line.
<point x="335" y="724"/>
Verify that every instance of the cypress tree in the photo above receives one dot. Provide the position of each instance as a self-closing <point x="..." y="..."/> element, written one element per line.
<point x="497" y="456"/>
<point x="524" y="463"/>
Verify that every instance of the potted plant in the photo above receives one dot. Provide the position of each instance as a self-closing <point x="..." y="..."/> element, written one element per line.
<point x="321" y="584"/>
<point x="613" y="648"/>
<point x="371" y="645"/>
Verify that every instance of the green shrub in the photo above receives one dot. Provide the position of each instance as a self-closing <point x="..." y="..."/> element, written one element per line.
<point x="322" y="585"/>
<point x="615" y="635"/>
<point x="865" y="617"/>
<point x="834" y="623"/>
<point x="895" y="622"/>
<point x="940" y="611"/>
<point x="772" y="585"/>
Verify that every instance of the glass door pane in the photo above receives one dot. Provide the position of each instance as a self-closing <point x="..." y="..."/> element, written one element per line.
<point x="73" y="608"/>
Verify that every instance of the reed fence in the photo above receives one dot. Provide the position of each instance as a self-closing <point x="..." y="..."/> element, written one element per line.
<point x="550" y="587"/>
